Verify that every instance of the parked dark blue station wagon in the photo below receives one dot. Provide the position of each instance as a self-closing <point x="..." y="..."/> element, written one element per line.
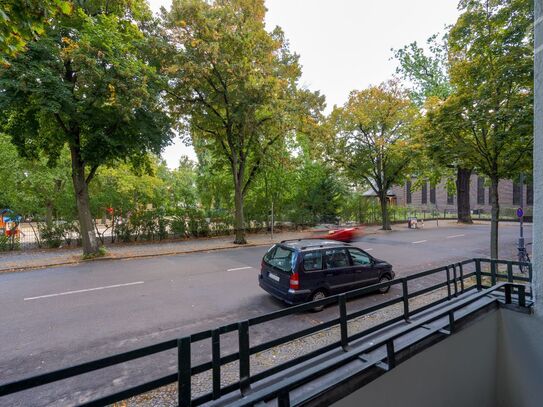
<point x="297" y="271"/>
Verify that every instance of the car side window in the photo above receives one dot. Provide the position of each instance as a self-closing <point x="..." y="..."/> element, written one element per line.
<point x="359" y="257"/>
<point x="336" y="258"/>
<point x="313" y="261"/>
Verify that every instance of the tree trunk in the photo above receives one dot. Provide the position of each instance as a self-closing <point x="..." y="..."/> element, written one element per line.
<point x="49" y="213"/>
<point x="462" y="195"/>
<point x="385" y="221"/>
<point x="239" y="223"/>
<point x="86" y="228"/>
<point x="495" y="218"/>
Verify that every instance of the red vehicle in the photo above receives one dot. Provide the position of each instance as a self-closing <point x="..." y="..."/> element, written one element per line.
<point x="340" y="234"/>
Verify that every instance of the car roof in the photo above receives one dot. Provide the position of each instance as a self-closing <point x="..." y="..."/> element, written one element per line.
<point x="308" y="244"/>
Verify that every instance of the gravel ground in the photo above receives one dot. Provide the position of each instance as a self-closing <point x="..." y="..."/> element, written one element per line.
<point x="201" y="384"/>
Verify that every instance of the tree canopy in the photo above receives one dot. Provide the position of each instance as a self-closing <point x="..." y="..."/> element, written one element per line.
<point x="87" y="83"/>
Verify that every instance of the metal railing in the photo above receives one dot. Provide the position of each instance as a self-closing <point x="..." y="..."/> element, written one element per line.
<point x="455" y="283"/>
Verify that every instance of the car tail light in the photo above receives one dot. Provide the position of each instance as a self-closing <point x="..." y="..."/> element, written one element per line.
<point x="295" y="281"/>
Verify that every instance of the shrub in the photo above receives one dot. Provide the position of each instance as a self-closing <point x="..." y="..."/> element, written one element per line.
<point x="56" y="234"/>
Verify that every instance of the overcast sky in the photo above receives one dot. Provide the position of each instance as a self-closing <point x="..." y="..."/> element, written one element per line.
<point x="345" y="44"/>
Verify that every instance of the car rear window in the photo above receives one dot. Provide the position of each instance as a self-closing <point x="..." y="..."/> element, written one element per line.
<point x="313" y="261"/>
<point x="280" y="258"/>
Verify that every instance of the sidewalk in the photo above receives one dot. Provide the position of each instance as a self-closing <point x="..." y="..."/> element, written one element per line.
<point x="40" y="258"/>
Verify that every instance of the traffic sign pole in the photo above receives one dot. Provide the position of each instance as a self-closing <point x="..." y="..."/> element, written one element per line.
<point x="520" y="214"/>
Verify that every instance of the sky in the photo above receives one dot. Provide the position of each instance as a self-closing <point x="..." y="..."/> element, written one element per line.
<point x="345" y="44"/>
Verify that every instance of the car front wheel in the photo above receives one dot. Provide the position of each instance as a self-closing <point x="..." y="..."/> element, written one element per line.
<point x="385" y="289"/>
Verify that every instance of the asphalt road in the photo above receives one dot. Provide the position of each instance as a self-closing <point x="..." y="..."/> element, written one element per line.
<point x="66" y="315"/>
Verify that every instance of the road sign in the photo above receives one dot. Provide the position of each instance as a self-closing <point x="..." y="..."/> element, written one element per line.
<point x="520" y="212"/>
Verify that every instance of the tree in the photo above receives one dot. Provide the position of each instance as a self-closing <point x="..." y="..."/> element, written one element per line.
<point x="429" y="75"/>
<point x="233" y="85"/>
<point x="490" y="111"/>
<point x="374" y="138"/>
<point x="89" y="82"/>
<point x="32" y="188"/>
<point x="22" y="21"/>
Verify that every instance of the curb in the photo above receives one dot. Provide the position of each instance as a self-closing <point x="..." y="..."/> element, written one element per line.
<point x="140" y="256"/>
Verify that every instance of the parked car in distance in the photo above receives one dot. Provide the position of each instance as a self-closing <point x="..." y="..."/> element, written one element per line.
<point x="303" y="270"/>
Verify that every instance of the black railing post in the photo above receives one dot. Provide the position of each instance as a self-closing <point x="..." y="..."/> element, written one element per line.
<point x="493" y="272"/>
<point x="244" y="361"/>
<point x="461" y="270"/>
<point x="216" y="363"/>
<point x="343" y="322"/>
<point x="509" y="272"/>
<point x="454" y="280"/>
<point x="283" y="399"/>
<point x="391" y="356"/>
<point x="405" y="298"/>
<point x="478" y="275"/>
<point x="522" y="295"/>
<point x="508" y="294"/>
<point x="448" y="282"/>
<point x="451" y="321"/>
<point x="184" y="396"/>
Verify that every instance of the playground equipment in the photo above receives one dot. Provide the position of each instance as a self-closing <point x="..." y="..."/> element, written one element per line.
<point x="9" y="223"/>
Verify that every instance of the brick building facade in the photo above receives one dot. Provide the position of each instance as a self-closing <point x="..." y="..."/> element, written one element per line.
<point x="429" y="197"/>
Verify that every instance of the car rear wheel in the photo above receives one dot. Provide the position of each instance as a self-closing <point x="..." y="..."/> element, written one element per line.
<point x="318" y="295"/>
<point x="384" y="279"/>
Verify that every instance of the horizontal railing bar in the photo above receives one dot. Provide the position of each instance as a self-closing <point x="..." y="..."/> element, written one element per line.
<point x="377" y="327"/>
<point x="374" y="308"/>
<point x="499" y="275"/>
<point x="295" y="335"/>
<point x="371" y="288"/>
<point x="76" y="370"/>
<point x="131" y="392"/>
<point x="501" y="261"/>
<point x="268" y="372"/>
<point x="426" y="273"/>
<point x="330" y="365"/>
<point x="427" y="290"/>
<point x="292" y="310"/>
<point x="69" y="372"/>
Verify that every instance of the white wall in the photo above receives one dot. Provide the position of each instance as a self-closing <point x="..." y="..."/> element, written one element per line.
<point x="459" y="371"/>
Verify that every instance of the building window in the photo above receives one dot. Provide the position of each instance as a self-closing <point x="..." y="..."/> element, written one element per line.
<point x="450" y="198"/>
<point x="408" y="192"/>
<point x="480" y="191"/>
<point x="433" y="195"/>
<point x="424" y="198"/>
<point x="516" y="193"/>
<point x="529" y="194"/>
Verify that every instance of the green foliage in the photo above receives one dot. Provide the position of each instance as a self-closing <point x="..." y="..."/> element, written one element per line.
<point x="427" y="72"/>
<point x="234" y="85"/>
<point x="57" y="234"/>
<point x="90" y="83"/>
<point x="22" y="21"/>
<point x="374" y="140"/>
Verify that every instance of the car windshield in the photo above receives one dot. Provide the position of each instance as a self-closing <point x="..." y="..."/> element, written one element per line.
<point x="280" y="258"/>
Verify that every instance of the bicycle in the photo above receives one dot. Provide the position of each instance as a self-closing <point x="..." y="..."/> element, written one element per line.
<point x="523" y="257"/>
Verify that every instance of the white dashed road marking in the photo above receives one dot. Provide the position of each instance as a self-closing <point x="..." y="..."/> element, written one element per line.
<point x="240" y="268"/>
<point x="450" y="237"/>
<point x="84" y="291"/>
<point x="419" y="241"/>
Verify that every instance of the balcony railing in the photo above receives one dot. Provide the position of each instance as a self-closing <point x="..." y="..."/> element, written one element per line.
<point x="488" y="276"/>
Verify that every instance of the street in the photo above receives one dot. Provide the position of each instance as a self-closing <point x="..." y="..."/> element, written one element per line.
<point x="66" y="315"/>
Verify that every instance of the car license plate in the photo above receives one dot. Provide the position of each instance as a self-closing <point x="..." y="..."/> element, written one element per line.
<point x="273" y="276"/>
